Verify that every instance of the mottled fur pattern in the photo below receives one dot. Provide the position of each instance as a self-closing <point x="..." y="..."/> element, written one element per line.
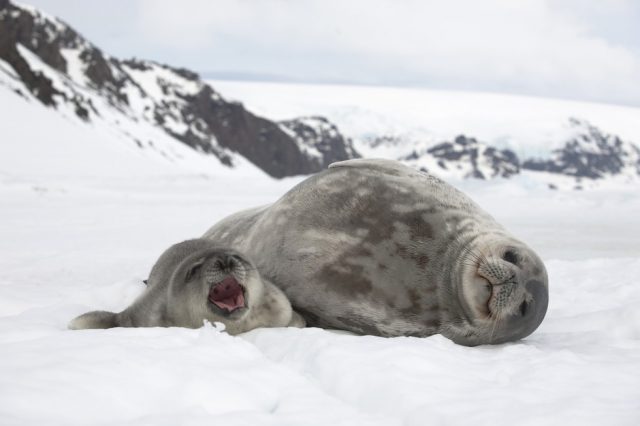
<point x="374" y="247"/>
<point x="178" y="288"/>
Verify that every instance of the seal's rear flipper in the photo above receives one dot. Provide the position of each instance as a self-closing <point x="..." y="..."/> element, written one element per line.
<point x="95" y="319"/>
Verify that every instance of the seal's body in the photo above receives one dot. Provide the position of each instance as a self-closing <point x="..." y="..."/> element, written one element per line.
<point x="196" y="280"/>
<point x="374" y="247"/>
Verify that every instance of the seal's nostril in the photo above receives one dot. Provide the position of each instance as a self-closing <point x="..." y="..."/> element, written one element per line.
<point x="523" y="308"/>
<point x="510" y="257"/>
<point x="232" y="261"/>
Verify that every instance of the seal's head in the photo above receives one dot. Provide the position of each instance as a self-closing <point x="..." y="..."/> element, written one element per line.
<point x="502" y="290"/>
<point x="220" y="284"/>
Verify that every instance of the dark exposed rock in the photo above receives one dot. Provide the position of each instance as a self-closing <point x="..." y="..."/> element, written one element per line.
<point x="41" y="87"/>
<point x="183" y="72"/>
<point x="591" y="154"/>
<point x="99" y="71"/>
<point x="321" y="136"/>
<point x="258" y="139"/>
<point x="19" y="26"/>
<point x="12" y="31"/>
<point x="485" y="161"/>
<point x="137" y="64"/>
<point x="377" y="141"/>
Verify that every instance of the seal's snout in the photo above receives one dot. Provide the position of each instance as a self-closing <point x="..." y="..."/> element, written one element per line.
<point x="497" y="271"/>
<point x="230" y="263"/>
<point x="227" y="294"/>
<point x="501" y="274"/>
<point x="517" y="294"/>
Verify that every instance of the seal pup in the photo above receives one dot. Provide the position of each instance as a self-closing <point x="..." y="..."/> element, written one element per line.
<point x="375" y="247"/>
<point x="197" y="280"/>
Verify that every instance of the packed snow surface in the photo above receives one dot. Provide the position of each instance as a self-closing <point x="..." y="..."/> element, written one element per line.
<point x="83" y="218"/>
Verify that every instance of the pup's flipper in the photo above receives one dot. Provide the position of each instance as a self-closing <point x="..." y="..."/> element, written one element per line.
<point x="95" y="319"/>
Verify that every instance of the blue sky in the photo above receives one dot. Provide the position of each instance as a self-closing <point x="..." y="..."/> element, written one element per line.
<point x="575" y="49"/>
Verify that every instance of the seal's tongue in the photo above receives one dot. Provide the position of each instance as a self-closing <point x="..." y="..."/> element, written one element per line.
<point x="227" y="294"/>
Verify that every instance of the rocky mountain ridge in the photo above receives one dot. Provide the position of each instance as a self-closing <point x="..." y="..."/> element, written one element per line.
<point x="468" y="156"/>
<point x="53" y="63"/>
<point x="43" y="58"/>
<point x="590" y="154"/>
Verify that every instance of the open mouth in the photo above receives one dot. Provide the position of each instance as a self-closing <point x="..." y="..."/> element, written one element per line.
<point x="227" y="295"/>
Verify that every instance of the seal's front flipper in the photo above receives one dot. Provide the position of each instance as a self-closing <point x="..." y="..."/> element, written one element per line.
<point x="95" y="319"/>
<point x="297" y="320"/>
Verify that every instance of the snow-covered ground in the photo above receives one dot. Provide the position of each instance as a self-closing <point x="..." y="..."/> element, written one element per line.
<point x="83" y="217"/>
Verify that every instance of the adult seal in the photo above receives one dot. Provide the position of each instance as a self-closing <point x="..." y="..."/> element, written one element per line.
<point x="375" y="247"/>
<point x="197" y="280"/>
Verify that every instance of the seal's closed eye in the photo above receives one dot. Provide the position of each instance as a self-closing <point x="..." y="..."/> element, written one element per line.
<point x="193" y="271"/>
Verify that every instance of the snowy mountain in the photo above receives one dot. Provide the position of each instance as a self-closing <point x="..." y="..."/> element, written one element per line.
<point x="42" y="57"/>
<point x="455" y="135"/>
<point x="319" y="138"/>
<point x="468" y="158"/>
<point x="590" y="154"/>
<point x="462" y="135"/>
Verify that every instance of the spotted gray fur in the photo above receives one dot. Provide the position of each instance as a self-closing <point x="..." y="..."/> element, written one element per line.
<point x="374" y="247"/>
